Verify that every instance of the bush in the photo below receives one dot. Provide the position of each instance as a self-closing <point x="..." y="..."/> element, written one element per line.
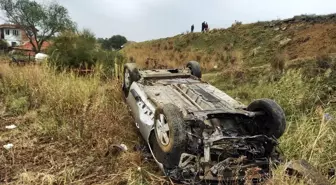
<point x="278" y="62"/>
<point x="3" y="45"/>
<point x="323" y="61"/>
<point x="73" y="50"/>
<point x="17" y="105"/>
<point x="80" y="50"/>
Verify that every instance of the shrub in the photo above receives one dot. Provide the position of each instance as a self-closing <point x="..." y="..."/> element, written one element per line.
<point x="17" y="105"/>
<point x="79" y="50"/>
<point x="3" y="45"/>
<point x="323" y="61"/>
<point x="73" y="50"/>
<point x="278" y="62"/>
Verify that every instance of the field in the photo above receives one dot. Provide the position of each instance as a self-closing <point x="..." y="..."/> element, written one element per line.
<point x="66" y="124"/>
<point x="65" y="127"/>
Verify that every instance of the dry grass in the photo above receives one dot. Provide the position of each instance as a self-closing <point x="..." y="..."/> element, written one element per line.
<point x="65" y="127"/>
<point x="175" y="59"/>
<point x="67" y="123"/>
<point x="278" y="62"/>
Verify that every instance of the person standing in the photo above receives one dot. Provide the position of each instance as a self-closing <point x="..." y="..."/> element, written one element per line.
<point x="203" y="26"/>
<point x="192" y="28"/>
<point x="206" y="28"/>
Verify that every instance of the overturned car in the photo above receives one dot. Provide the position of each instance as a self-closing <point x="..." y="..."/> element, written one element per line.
<point x="197" y="133"/>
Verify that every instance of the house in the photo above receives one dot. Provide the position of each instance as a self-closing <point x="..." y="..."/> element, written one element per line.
<point x="17" y="39"/>
<point x="13" y="34"/>
<point x="27" y="47"/>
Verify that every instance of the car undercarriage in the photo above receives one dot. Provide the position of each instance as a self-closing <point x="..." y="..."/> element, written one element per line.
<point x="219" y="148"/>
<point x="199" y="134"/>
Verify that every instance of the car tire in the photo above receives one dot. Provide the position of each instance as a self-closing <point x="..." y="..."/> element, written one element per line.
<point x="272" y="122"/>
<point x="131" y="74"/>
<point x="169" y="153"/>
<point x="195" y="69"/>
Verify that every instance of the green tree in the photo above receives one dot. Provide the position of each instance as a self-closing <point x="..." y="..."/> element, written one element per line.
<point x="40" y="22"/>
<point x="115" y="42"/>
<point x="80" y="50"/>
<point x="73" y="50"/>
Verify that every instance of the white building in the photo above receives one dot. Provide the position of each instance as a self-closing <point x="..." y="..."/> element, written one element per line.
<point x="12" y="34"/>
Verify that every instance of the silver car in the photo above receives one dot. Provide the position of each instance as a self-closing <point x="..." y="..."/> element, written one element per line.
<point x="196" y="132"/>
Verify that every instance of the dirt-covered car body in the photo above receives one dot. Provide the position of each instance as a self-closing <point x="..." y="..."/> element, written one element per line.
<point x="197" y="132"/>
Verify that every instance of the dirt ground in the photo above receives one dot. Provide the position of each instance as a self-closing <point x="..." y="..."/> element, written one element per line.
<point x="311" y="40"/>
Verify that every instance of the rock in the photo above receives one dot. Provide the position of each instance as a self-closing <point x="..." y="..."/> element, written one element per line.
<point x="285" y="41"/>
<point x="276" y="29"/>
<point x="255" y="51"/>
<point x="277" y="38"/>
<point x="284" y="28"/>
<point x="309" y="174"/>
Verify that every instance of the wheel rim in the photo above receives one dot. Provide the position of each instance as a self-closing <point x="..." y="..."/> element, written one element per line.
<point x="162" y="130"/>
<point x="127" y="78"/>
<point x="191" y="72"/>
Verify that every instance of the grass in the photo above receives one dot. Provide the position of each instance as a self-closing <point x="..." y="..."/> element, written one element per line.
<point x="310" y="132"/>
<point x="252" y="45"/>
<point x="66" y="125"/>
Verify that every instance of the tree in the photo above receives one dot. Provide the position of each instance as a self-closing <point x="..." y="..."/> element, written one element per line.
<point x="40" y="22"/>
<point x="73" y="49"/>
<point x="115" y="42"/>
<point x="80" y="50"/>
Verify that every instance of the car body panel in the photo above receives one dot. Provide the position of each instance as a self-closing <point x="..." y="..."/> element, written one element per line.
<point x="199" y="102"/>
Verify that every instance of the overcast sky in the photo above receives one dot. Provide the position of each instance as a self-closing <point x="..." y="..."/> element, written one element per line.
<point x="141" y="20"/>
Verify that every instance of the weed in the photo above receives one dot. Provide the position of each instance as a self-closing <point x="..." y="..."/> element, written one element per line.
<point x="66" y="125"/>
<point x="17" y="106"/>
<point x="323" y="61"/>
<point x="278" y="62"/>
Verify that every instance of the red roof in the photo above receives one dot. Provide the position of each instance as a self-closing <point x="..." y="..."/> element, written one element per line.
<point x="29" y="47"/>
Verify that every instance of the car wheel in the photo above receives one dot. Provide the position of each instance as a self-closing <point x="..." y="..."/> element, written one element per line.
<point x="272" y="122"/>
<point x="170" y="135"/>
<point x="131" y="74"/>
<point x="195" y="69"/>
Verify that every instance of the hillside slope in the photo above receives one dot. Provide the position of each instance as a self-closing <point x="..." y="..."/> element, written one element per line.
<point x="250" y="44"/>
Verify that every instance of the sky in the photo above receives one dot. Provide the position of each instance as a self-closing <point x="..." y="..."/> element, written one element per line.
<point x="141" y="20"/>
